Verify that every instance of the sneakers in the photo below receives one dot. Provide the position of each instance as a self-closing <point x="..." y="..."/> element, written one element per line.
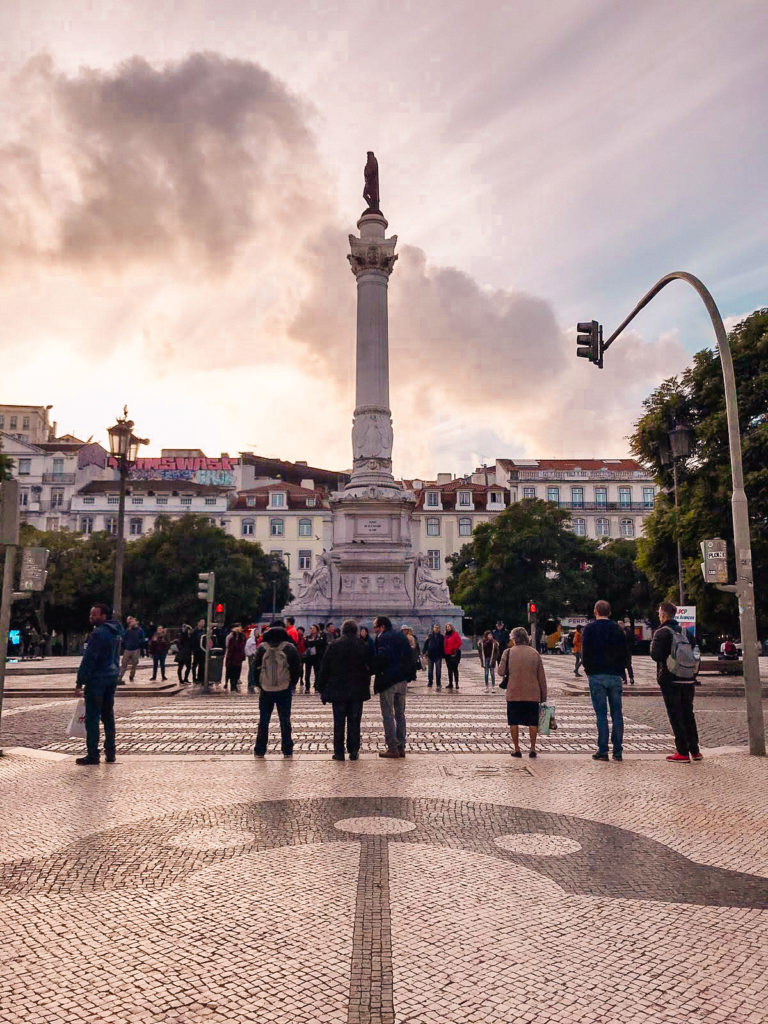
<point x="679" y="758"/>
<point x="599" y="757"/>
<point x="389" y="753"/>
<point x="516" y="753"/>
<point x="697" y="757"/>
<point x="531" y="753"/>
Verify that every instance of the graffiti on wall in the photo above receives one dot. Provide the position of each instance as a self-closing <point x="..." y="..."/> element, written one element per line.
<point x="198" y="470"/>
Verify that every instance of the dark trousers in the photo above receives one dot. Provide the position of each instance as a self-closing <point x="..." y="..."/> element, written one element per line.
<point x="309" y="665"/>
<point x="628" y="672"/>
<point x="185" y="664"/>
<point x="267" y="702"/>
<point x="452" y="664"/>
<point x="158" y="660"/>
<point x="678" y="698"/>
<point x="233" y="674"/>
<point x="198" y="666"/>
<point x="577" y="666"/>
<point x="100" y="707"/>
<point x="435" y="669"/>
<point x="347" y="713"/>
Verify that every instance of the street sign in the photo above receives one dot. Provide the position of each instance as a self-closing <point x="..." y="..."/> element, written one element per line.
<point x="686" y="618"/>
<point x="33" y="572"/>
<point x="9" y="512"/>
<point x="714" y="568"/>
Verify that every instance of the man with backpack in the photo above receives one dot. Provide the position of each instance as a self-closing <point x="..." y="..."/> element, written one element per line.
<point x="677" y="665"/>
<point x="277" y="670"/>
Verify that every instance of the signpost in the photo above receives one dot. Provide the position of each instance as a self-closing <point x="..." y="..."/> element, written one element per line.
<point x="714" y="568"/>
<point x="33" y="569"/>
<point x="9" y="536"/>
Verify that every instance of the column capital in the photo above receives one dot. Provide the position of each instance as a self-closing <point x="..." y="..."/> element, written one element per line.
<point x="372" y="255"/>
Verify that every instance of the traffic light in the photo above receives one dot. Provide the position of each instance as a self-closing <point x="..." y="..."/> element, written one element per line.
<point x="219" y="614"/>
<point x="533" y="611"/>
<point x="589" y="342"/>
<point x="205" y="583"/>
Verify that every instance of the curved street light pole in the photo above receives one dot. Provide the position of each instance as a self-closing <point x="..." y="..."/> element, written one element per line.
<point x="744" y="587"/>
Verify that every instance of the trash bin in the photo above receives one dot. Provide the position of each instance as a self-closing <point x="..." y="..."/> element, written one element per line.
<point x="215" y="664"/>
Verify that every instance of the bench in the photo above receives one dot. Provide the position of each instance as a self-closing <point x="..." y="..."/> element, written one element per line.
<point x="721" y="666"/>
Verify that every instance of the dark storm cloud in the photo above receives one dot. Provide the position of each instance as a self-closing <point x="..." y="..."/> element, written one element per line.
<point x="142" y="164"/>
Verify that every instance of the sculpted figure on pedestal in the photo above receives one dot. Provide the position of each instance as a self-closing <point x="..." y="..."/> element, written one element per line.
<point x="371" y="190"/>
<point x="429" y="589"/>
<point x="316" y="584"/>
<point x="372" y="436"/>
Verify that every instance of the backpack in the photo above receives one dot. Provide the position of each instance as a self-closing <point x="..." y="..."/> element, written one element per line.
<point x="275" y="674"/>
<point x="682" y="661"/>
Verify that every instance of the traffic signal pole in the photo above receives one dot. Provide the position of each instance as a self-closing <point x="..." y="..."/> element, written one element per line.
<point x="744" y="586"/>
<point x="206" y="585"/>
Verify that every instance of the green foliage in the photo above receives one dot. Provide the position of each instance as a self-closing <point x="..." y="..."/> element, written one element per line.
<point x="160" y="579"/>
<point x="526" y="554"/>
<point x="6" y="464"/>
<point x="698" y="399"/>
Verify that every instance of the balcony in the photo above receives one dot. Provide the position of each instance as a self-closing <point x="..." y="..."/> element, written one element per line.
<point x="59" y="478"/>
<point x="604" y="506"/>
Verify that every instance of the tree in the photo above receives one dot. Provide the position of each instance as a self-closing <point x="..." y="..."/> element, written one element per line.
<point x="526" y="553"/>
<point x="161" y="573"/>
<point x="619" y="581"/>
<point x="6" y="464"/>
<point x="698" y="399"/>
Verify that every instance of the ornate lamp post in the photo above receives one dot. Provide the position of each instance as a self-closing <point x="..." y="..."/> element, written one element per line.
<point x="673" y="448"/>
<point x="124" y="446"/>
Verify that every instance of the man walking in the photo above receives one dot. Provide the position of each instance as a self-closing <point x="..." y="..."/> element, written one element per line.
<point x="392" y="663"/>
<point x="434" y="648"/>
<point x="277" y="670"/>
<point x="577" y="650"/>
<point x="133" y="641"/>
<point x="98" y="673"/>
<point x="676" y="669"/>
<point x="604" y="653"/>
<point x="501" y="636"/>
<point x="234" y="656"/>
<point x="345" y="681"/>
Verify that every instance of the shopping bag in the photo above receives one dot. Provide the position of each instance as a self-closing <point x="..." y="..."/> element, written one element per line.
<point x="76" y="727"/>
<point x="546" y="713"/>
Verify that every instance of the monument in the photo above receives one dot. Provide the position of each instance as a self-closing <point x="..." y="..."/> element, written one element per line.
<point x="372" y="567"/>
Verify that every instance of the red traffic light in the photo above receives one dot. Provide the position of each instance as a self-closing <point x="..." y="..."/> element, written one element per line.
<point x="532" y="608"/>
<point x="219" y="609"/>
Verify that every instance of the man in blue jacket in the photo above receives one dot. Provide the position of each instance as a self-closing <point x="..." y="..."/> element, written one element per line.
<point x="604" y="656"/>
<point x="392" y="663"/>
<point x="98" y="674"/>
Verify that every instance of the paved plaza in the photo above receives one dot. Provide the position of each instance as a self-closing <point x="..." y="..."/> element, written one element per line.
<point x="191" y="883"/>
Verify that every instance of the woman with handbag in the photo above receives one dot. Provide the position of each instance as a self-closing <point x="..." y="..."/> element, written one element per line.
<point x="452" y="655"/>
<point x="526" y="688"/>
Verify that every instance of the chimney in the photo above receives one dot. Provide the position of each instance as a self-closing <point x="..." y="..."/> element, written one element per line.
<point x="444" y="478"/>
<point x="308" y="485"/>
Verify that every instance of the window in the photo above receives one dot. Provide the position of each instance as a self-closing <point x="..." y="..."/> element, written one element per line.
<point x="276" y="527"/>
<point x="212" y="520"/>
<point x="13" y="422"/>
<point x="136" y="526"/>
<point x="113" y="499"/>
<point x="137" y="501"/>
<point x="250" y="502"/>
<point x="161" y="501"/>
<point x="2" y="422"/>
<point x="433" y="526"/>
<point x="577" y="497"/>
<point x="433" y="559"/>
<point x="305" y="527"/>
<point x="57" y="497"/>
<point x="625" y="496"/>
<point x="58" y="467"/>
<point x="311" y="502"/>
<point x="52" y="523"/>
<point x="553" y="494"/>
<point x="433" y="499"/>
<point x="580" y="527"/>
<point x="23" y="498"/>
<point x="305" y="559"/>
<point x="627" y="527"/>
<point x="25" y="467"/>
<point x="248" y="525"/>
<point x="86" y="524"/>
<point x="110" y="524"/>
<point x="601" y="495"/>
<point x="186" y="501"/>
<point x="465" y="527"/>
<point x="648" y="495"/>
<point x="210" y="501"/>
<point x="496" y="498"/>
<point x="25" y="423"/>
<point x="603" y="528"/>
<point x="277" y="499"/>
<point x="529" y="492"/>
<point x="465" y="497"/>
<point x="90" y="500"/>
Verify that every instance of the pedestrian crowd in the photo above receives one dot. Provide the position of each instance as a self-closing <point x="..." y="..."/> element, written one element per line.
<point x="344" y="665"/>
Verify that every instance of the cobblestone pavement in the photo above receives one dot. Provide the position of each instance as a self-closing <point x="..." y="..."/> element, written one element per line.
<point x="472" y="720"/>
<point x="440" y="889"/>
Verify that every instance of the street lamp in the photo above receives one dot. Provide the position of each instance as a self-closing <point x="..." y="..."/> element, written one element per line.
<point x="744" y="588"/>
<point x="676" y="446"/>
<point x="124" y="446"/>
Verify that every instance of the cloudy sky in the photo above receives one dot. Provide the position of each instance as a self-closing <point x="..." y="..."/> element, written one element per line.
<point x="178" y="179"/>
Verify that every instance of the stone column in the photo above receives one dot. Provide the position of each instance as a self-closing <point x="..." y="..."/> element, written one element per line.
<point x="372" y="259"/>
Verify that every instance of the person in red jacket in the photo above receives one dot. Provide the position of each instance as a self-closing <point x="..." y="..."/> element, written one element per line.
<point x="452" y="655"/>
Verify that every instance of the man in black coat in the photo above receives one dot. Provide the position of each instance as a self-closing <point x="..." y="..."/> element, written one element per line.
<point x="345" y="681"/>
<point x="434" y="648"/>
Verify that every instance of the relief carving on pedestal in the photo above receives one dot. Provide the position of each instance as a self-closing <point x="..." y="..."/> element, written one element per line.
<point x="316" y="585"/>
<point x="372" y="436"/>
<point x="430" y="590"/>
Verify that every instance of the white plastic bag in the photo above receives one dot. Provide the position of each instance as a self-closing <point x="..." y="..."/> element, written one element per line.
<point x="76" y="727"/>
<point x="546" y="714"/>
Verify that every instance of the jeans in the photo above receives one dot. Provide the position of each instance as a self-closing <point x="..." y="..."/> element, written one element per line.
<point x="280" y="699"/>
<point x="435" y="670"/>
<point x="489" y="673"/>
<point x="129" y="664"/>
<point x="198" y="666"/>
<point x="392" y="702"/>
<point x="577" y="666"/>
<point x="347" y="713"/>
<point x="678" y="698"/>
<point x="100" y="707"/>
<point x="605" y="692"/>
<point x="158" y="660"/>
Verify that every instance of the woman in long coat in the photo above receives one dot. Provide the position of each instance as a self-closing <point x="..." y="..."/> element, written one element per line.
<point x="526" y="688"/>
